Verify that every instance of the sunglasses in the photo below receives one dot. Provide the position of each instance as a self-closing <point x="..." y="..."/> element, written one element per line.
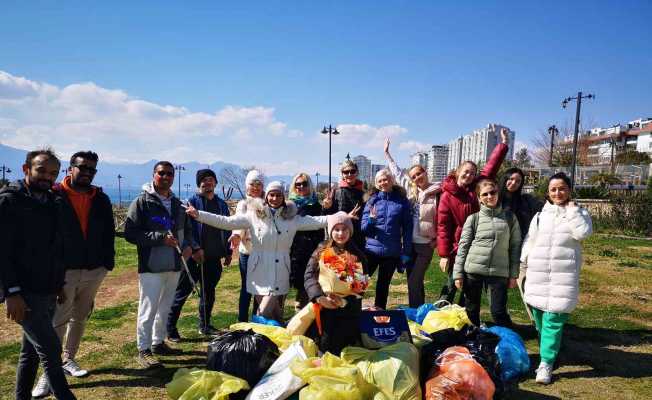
<point x="165" y="173"/>
<point x="300" y="184"/>
<point x="490" y="193"/>
<point x="349" y="172"/>
<point x="84" y="168"/>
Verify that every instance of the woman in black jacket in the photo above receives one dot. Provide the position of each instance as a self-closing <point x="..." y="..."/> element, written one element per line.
<point x="305" y="242"/>
<point x="523" y="205"/>
<point x="348" y="195"/>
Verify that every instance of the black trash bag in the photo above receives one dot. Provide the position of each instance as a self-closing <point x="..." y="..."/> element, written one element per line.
<point x="441" y="340"/>
<point x="245" y="354"/>
<point x="482" y="346"/>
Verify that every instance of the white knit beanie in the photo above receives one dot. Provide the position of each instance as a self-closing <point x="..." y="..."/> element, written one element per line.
<point x="274" y="185"/>
<point x="254" y="175"/>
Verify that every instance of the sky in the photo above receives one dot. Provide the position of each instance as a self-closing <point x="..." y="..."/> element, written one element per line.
<point x="254" y="83"/>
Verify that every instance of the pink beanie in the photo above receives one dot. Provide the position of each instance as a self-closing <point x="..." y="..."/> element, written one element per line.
<point x="339" y="217"/>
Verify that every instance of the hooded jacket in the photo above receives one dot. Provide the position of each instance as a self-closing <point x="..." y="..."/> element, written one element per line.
<point x="490" y="245"/>
<point x="457" y="203"/>
<point x="30" y="244"/>
<point x="424" y="204"/>
<point x="197" y="201"/>
<point x="553" y="254"/>
<point x="523" y="205"/>
<point x="345" y="199"/>
<point x="390" y="233"/>
<point x="146" y="226"/>
<point x="268" y="269"/>
<point x="97" y="249"/>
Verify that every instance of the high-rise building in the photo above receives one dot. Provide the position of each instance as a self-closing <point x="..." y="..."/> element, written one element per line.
<point x="419" y="158"/>
<point x="364" y="168"/>
<point x="478" y="145"/>
<point x="437" y="163"/>
<point x="375" y="168"/>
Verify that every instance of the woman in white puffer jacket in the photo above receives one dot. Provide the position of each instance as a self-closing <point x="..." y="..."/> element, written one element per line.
<point x="553" y="254"/>
<point x="272" y="223"/>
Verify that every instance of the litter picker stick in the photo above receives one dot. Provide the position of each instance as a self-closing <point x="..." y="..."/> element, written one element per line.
<point x="185" y="267"/>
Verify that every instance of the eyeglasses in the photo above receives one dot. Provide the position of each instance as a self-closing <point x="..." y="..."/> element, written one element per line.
<point x="165" y="173"/>
<point x="300" y="184"/>
<point x="490" y="193"/>
<point x="349" y="172"/>
<point x="85" y="168"/>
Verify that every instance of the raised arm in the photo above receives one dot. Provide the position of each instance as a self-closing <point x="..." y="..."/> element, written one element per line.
<point x="309" y="223"/>
<point x="497" y="157"/>
<point x="223" y="222"/>
<point x="400" y="174"/>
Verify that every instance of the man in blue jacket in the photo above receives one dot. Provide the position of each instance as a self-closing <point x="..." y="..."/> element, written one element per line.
<point x="206" y="263"/>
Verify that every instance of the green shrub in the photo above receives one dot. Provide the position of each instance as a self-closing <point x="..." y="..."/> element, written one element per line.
<point x="628" y="214"/>
<point x="591" y="192"/>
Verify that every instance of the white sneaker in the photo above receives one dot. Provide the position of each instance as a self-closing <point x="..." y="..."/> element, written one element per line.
<point x="71" y="368"/>
<point x="544" y="373"/>
<point x="42" y="387"/>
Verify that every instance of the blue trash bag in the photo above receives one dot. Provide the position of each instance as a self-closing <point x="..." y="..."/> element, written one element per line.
<point x="259" y="319"/>
<point x="410" y="313"/>
<point x="423" y="310"/>
<point x="513" y="357"/>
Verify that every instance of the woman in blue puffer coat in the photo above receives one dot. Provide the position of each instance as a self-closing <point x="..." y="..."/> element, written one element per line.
<point x="387" y="225"/>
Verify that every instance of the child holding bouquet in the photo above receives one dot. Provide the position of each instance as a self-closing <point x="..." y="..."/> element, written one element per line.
<point x="335" y="283"/>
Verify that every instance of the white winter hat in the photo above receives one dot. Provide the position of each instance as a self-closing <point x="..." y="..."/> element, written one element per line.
<point x="339" y="217"/>
<point x="274" y="185"/>
<point x="254" y="175"/>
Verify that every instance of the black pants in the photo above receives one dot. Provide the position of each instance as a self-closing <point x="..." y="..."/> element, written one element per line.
<point x="497" y="287"/>
<point x="212" y="273"/>
<point x="340" y="327"/>
<point x="448" y="290"/>
<point x="386" y="266"/>
<point x="40" y="343"/>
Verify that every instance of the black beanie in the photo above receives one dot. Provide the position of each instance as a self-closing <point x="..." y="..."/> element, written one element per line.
<point x="203" y="173"/>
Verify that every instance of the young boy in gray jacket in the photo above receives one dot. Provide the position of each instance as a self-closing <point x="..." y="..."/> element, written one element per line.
<point x="488" y="254"/>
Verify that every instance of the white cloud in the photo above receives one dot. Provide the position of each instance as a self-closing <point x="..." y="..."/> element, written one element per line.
<point x="412" y="146"/>
<point x="123" y="128"/>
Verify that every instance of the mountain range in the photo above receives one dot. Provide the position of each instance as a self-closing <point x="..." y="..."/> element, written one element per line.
<point x="133" y="175"/>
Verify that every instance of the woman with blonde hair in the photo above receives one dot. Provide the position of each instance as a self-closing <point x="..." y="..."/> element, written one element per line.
<point x="387" y="224"/>
<point x="304" y="197"/>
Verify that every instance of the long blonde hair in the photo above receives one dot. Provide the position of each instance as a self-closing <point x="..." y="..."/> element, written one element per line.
<point x="293" y="190"/>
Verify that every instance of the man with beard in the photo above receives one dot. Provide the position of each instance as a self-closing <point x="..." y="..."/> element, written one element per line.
<point x="31" y="271"/>
<point x="206" y="262"/>
<point x="156" y="223"/>
<point x="88" y="232"/>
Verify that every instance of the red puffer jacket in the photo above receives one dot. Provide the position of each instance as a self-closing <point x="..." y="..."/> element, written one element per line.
<point x="457" y="203"/>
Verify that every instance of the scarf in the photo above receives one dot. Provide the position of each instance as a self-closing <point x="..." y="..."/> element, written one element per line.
<point x="302" y="201"/>
<point x="357" y="185"/>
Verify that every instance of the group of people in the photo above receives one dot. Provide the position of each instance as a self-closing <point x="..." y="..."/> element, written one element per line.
<point x="487" y="234"/>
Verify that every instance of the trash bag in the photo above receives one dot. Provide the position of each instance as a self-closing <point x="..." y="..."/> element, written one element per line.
<point x="196" y="384"/>
<point x="451" y="316"/>
<point x="245" y="354"/>
<point x="280" y="336"/>
<point x="331" y="378"/>
<point x="419" y="338"/>
<point x="512" y="354"/>
<point x="419" y="314"/>
<point x="279" y="382"/>
<point x="259" y="319"/>
<point x="458" y="376"/>
<point x="410" y="313"/>
<point x="394" y="369"/>
<point x="302" y="320"/>
<point x="482" y="346"/>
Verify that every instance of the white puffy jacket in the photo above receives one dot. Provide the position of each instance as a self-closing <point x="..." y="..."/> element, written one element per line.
<point x="553" y="254"/>
<point x="268" y="268"/>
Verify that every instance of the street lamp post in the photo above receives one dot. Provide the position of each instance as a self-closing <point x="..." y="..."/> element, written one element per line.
<point x="5" y="170"/>
<point x="317" y="184"/>
<point x="179" y="168"/>
<point x="187" y="186"/>
<point x="120" y="177"/>
<point x="330" y="131"/>
<point x="552" y="131"/>
<point x="564" y="103"/>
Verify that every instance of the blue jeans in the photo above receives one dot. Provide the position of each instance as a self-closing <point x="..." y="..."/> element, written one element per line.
<point x="245" y="297"/>
<point x="40" y="343"/>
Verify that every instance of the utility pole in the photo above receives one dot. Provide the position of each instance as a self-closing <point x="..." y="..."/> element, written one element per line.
<point x="317" y="184"/>
<point x="187" y="186"/>
<point x="330" y="131"/>
<point x="5" y="170"/>
<point x="564" y="103"/>
<point x="552" y="131"/>
<point x="179" y="168"/>
<point x="120" y="177"/>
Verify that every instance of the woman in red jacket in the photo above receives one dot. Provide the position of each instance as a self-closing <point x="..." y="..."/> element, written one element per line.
<point x="458" y="201"/>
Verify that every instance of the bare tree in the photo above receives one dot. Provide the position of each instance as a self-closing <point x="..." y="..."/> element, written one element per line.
<point x="562" y="155"/>
<point x="234" y="177"/>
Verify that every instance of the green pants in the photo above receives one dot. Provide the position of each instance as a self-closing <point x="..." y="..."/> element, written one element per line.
<point x="550" y="326"/>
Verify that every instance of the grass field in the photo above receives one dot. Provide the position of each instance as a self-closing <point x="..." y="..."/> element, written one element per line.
<point x="607" y="350"/>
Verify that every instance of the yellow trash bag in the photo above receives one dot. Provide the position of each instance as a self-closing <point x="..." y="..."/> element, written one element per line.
<point x="198" y="384"/>
<point x="302" y="320"/>
<point x="451" y="316"/>
<point x="418" y="339"/>
<point x="280" y="336"/>
<point x="331" y="378"/>
<point x="394" y="369"/>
